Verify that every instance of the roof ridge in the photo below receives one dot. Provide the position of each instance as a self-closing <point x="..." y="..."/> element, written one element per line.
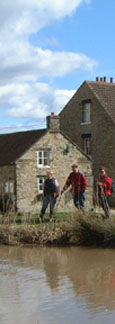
<point x="104" y="105"/>
<point x="101" y="82"/>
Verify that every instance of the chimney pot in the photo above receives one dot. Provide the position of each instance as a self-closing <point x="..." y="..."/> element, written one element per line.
<point x="101" y="79"/>
<point x="105" y="79"/>
<point x="97" y="79"/>
<point x="111" y="80"/>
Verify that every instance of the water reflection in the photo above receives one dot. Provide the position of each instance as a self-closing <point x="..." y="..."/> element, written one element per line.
<point x="56" y="285"/>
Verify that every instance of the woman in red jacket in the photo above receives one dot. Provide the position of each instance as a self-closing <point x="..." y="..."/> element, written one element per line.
<point x="104" y="183"/>
<point x="79" y="185"/>
<point x="104" y="186"/>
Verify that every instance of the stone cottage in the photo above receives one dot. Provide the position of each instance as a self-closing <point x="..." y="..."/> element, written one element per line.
<point x="89" y="120"/>
<point x="27" y="156"/>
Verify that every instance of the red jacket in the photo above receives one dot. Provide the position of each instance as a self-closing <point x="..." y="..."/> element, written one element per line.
<point x="106" y="184"/>
<point x="78" y="181"/>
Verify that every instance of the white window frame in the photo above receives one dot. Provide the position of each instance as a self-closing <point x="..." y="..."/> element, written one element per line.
<point x="42" y="160"/>
<point x="40" y="184"/>
<point x="87" y="145"/>
<point x="9" y="187"/>
<point x="86" y="113"/>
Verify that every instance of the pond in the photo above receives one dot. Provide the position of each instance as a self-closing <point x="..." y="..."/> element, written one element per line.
<point x="47" y="285"/>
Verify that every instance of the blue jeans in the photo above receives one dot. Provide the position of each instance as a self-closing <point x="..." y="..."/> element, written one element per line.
<point x="46" y="202"/>
<point x="79" y="199"/>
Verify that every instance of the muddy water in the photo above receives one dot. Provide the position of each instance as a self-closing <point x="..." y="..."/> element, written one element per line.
<point x="57" y="285"/>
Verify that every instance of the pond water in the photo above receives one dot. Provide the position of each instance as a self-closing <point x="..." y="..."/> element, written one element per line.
<point x="47" y="285"/>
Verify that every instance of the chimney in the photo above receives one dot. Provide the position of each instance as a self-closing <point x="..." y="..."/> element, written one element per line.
<point x="105" y="79"/>
<point x="97" y="79"/>
<point x="53" y="123"/>
<point x="111" y="80"/>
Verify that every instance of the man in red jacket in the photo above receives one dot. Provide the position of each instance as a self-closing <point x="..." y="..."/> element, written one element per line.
<point x="79" y="185"/>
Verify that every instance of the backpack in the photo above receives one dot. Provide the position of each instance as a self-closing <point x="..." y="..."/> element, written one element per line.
<point x="113" y="187"/>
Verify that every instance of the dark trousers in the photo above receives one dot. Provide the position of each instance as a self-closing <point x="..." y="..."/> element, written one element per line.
<point x="79" y="199"/>
<point x="48" y="201"/>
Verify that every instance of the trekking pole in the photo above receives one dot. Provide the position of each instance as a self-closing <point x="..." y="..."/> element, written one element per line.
<point x="58" y="202"/>
<point x="97" y="197"/>
<point x="105" y="206"/>
<point x="79" y="198"/>
<point x="104" y="203"/>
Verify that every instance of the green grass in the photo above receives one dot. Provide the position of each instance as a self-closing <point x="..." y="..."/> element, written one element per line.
<point x="84" y="229"/>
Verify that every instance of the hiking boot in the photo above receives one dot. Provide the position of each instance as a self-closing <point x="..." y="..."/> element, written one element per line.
<point x="51" y="218"/>
<point x="41" y="217"/>
<point x="82" y="208"/>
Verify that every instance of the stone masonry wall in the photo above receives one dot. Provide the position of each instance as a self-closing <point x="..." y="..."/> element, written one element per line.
<point x="7" y="173"/>
<point x="60" y="162"/>
<point x="101" y="128"/>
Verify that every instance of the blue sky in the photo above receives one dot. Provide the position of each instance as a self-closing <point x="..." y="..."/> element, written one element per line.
<point x="47" y="49"/>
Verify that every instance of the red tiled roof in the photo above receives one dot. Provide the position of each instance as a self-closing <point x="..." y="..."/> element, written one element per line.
<point x="13" y="145"/>
<point x="105" y="93"/>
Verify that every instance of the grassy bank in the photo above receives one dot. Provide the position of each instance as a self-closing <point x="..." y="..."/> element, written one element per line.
<point x="67" y="229"/>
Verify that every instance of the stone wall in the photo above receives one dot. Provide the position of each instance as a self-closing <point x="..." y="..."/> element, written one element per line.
<point x="60" y="162"/>
<point x="101" y="128"/>
<point x="7" y="188"/>
<point x="7" y="174"/>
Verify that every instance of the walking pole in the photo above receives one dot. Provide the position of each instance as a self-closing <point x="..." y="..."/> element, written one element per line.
<point x="58" y="201"/>
<point x="104" y="203"/>
<point x="105" y="206"/>
<point x="79" y="199"/>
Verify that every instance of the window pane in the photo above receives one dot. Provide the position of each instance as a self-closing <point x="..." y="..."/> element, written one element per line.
<point x="41" y="180"/>
<point x="45" y="154"/>
<point x="46" y="162"/>
<point x="40" y="161"/>
<point x="40" y="184"/>
<point x="11" y="187"/>
<point x="86" y="113"/>
<point x="87" y="146"/>
<point x="6" y="187"/>
<point x="40" y="154"/>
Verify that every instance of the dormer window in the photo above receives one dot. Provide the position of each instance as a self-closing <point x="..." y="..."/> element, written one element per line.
<point x="86" y="111"/>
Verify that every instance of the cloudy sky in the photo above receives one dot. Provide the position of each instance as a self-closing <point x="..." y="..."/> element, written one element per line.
<point x="47" y="49"/>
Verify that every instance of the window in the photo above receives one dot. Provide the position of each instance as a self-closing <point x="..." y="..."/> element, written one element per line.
<point x="86" y="107"/>
<point x="43" y="158"/>
<point x="40" y="182"/>
<point x="86" y="143"/>
<point x="9" y="187"/>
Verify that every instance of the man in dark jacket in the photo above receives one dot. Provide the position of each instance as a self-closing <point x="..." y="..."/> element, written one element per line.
<point x="50" y="194"/>
<point x="79" y="185"/>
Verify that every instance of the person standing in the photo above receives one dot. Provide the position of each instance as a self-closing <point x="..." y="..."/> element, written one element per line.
<point x="104" y="186"/>
<point x="50" y="194"/>
<point x="79" y="185"/>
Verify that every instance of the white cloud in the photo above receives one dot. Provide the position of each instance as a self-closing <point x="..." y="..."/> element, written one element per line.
<point x="31" y="15"/>
<point x="21" y="61"/>
<point x="32" y="101"/>
<point x="22" y="93"/>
